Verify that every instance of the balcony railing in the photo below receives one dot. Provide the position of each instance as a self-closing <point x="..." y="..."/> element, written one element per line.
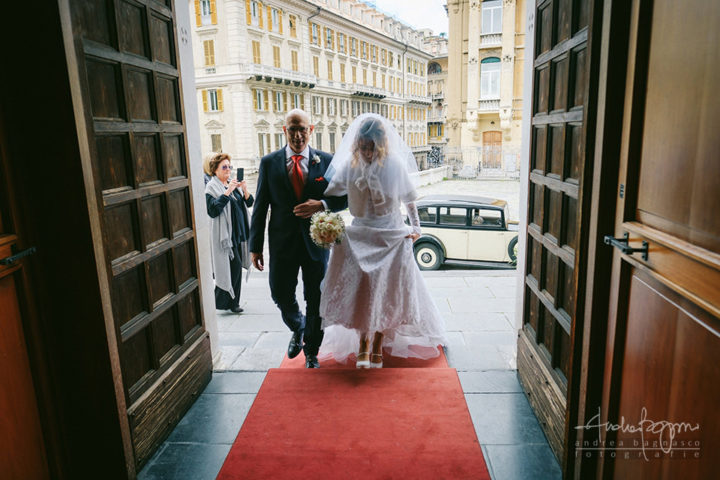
<point x="490" y="39"/>
<point x="436" y="118"/>
<point x="367" y="91"/>
<point x="438" y="96"/>
<point x="279" y="75"/>
<point x="419" y="99"/>
<point x="489" y="105"/>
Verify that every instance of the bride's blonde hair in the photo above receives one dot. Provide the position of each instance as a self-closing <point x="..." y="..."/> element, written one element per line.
<point x="371" y="129"/>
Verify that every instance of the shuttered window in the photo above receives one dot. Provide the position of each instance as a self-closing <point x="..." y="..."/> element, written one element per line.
<point x="276" y="56"/>
<point x="329" y="69"/>
<point x="292" y="20"/>
<point x="256" y="52"/>
<point x="294" y="58"/>
<point x="209" y="50"/>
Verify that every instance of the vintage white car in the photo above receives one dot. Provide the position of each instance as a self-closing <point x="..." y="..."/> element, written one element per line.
<point x="464" y="229"/>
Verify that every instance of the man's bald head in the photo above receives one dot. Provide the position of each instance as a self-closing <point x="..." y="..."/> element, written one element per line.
<point x="297" y="129"/>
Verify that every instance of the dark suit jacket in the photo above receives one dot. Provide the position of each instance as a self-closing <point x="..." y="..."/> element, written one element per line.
<point x="275" y="191"/>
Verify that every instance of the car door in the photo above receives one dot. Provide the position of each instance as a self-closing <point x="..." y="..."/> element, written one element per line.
<point x="452" y="231"/>
<point x="486" y="235"/>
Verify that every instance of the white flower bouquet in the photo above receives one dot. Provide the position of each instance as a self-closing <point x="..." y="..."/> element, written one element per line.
<point x="326" y="228"/>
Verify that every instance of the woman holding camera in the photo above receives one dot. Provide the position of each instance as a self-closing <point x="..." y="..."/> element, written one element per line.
<point x="227" y="200"/>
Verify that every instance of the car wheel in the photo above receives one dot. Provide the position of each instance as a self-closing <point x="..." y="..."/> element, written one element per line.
<point x="513" y="250"/>
<point x="428" y="256"/>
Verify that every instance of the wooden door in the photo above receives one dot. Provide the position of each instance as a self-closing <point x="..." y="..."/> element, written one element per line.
<point x="492" y="150"/>
<point x="22" y="448"/>
<point x="124" y="71"/>
<point x="561" y="132"/>
<point x="663" y="355"/>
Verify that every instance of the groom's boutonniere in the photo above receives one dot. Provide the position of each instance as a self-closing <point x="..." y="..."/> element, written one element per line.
<point x="316" y="159"/>
<point x="320" y="179"/>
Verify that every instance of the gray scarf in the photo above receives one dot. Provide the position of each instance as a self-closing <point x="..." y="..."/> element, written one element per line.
<point x="221" y="239"/>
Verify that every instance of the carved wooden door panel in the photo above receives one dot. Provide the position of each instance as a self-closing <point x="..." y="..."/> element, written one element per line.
<point x="663" y="356"/>
<point x="555" y="195"/>
<point x="123" y="64"/>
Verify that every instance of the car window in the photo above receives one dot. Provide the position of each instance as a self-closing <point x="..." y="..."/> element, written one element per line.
<point x="427" y="214"/>
<point x="485" y="217"/>
<point x="453" y="216"/>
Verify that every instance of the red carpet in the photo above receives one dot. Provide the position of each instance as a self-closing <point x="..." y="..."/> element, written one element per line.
<point x="388" y="362"/>
<point x="357" y="424"/>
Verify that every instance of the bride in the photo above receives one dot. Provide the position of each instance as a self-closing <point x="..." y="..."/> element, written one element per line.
<point x="373" y="292"/>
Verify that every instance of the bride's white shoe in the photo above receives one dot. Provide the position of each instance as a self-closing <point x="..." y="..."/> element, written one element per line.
<point x="363" y="360"/>
<point x="376" y="360"/>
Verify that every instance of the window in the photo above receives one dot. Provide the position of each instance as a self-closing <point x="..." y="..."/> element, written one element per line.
<point x="343" y="108"/>
<point x="316" y="66"/>
<point x="209" y="49"/>
<point x="341" y="43"/>
<point x="279" y="141"/>
<point x="332" y="142"/>
<point x="276" y="56"/>
<point x="364" y="76"/>
<point x="383" y="56"/>
<point x="212" y="100"/>
<point x="216" y="142"/>
<point x="342" y="72"/>
<point x="297" y="101"/>
<point x="427" y="214"/>
<point x="317" y="105"/>
<point x="382" y="82"/>
<point x="206" y="12"/>
<point x="318" y="141"/>
<point x="256" y="52"/>
<point x="491" y="17"/>
<point x="390" y="59"/>
<point x="294" y="58"/>
<point x="485" y="217"/>
<point x="355" y="108"/>
<point x="332" y="107"/>
<point x="453" y="216"/>
<point x="353" y="47"/>
<point x="374" y="57"/>
<point x="330" y="69"/>
<point x="279" y="102"/>
<point x="264" y="146"/>
<point x="293" y="26"/>
<point x="314" y="34"/>
<point x="374" y="79"/>
<point x="354" y="74"/>
<point x="364" y="50"/>
<point x="255" y="14"/>
<point x="260" y="100"/>
<point x="490" y="78"/>
<point x="329" y="39"/>
<point x="276" y="19"/>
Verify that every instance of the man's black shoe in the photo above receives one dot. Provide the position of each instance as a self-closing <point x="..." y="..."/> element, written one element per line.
<point x="311" y="361"/>
<point x="295" y="344"/>
<point x="236" y="310"/>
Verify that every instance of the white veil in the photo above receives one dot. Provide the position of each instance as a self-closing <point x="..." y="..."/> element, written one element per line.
<point x="387" y="178"/>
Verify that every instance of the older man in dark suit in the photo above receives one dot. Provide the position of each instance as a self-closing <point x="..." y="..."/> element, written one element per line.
<point x="291" y="182"/>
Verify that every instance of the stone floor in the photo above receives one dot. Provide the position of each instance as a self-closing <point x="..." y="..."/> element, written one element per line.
<point x="478" y="306"/>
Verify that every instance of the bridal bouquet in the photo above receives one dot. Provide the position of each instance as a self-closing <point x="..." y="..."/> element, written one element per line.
<point x="326" y="228"/>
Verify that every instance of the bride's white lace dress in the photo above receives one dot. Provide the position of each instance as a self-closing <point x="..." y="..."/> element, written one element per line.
<point x="372" y="282"/>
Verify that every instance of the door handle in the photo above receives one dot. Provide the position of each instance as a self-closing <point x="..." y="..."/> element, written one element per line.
<point x="14" y="258"/>
<point x="622" y="244"/>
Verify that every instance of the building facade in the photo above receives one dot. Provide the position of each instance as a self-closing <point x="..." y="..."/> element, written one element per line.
<point x="336" y="59"/>
<point x="485" y="82"/>
<point x="437" y="46"/>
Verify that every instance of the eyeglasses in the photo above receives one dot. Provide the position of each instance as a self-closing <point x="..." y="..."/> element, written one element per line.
<point x="300" y="130"/>
<point x="226" y="167"/>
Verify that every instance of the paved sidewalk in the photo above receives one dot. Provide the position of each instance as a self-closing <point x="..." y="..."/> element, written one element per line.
<point x="478" y="306"/>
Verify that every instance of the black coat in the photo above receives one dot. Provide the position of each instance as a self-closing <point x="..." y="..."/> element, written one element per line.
<point x="274" y="191"/>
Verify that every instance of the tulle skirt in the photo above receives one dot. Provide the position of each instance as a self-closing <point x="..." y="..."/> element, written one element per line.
<point x="372" y="284"/>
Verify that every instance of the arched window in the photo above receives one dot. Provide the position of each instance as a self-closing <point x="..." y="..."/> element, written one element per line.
<point x="434" y="67"/>
<point x="490" y="78"/>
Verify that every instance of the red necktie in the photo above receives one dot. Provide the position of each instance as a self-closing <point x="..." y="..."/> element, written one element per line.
<point x="296" y="176"/>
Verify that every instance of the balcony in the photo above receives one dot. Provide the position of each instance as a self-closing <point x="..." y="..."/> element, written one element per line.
<point x="419" y="99"/>
<point x="278" y="75"/>
<point x="440" y="118"/>
<point x="361" y="90"/>
<point x="438" y="96"/>
<point x="490" y="40"/>
<point x="489" y="105"/>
